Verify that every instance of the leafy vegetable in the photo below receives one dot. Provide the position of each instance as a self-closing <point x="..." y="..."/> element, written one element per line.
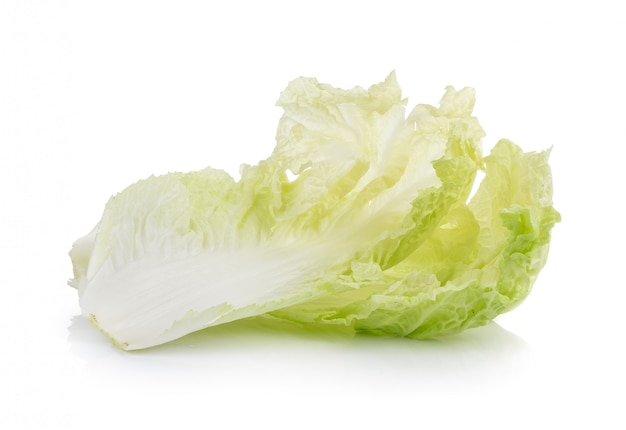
<point x="358" y="218"/>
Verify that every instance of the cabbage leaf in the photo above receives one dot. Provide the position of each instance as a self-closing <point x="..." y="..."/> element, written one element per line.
<point x="359" y="217"/>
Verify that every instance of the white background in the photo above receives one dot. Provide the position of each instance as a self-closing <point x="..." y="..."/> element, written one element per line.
<point x="95" y="95"/>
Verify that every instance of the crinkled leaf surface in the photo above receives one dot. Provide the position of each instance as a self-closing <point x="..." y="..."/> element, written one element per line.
<point x="359" y="217"/>
<point x="480" y="261"/>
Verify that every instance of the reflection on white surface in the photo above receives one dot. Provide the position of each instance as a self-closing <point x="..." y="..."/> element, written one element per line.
<point x="263" y="353"/>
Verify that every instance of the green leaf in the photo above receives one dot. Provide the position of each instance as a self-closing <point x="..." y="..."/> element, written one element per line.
<point x="358" y="217"/>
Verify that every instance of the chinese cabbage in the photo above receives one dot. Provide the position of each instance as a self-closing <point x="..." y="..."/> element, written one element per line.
<point x="355" y="218"/>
